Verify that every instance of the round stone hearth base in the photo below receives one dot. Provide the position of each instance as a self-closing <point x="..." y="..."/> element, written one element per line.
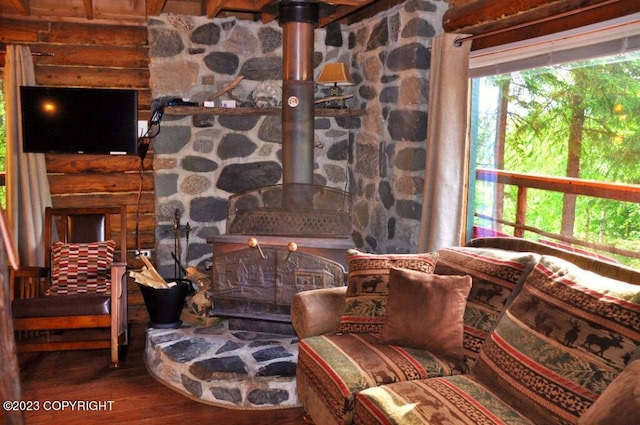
<point x="222" y="367"/>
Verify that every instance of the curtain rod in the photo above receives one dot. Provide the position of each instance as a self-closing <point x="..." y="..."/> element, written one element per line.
<point x="459" y="41"/>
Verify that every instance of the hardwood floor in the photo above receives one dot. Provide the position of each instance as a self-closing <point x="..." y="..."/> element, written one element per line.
<point x="135" y="396"/>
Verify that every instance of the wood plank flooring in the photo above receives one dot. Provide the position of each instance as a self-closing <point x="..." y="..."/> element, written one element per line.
<point x="137" y="398"/>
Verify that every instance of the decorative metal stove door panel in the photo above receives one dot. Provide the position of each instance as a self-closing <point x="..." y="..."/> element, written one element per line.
<point x="297" y="272"/>
<point x="245" y="284"/>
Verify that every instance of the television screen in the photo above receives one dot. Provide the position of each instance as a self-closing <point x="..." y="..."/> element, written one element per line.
<point x="79" y="120"/>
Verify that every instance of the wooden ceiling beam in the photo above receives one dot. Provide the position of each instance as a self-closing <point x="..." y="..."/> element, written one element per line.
<point x="22" y="6"/>
<point x="213" y="7"/>
<point x="88" y="8"/>
<point x="496" y="22"/>
<point x="155" y="7"/>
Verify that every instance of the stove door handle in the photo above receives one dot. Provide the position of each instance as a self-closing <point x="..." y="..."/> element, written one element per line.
<point x="292" y="247"/>
<point x="253" y="243"/>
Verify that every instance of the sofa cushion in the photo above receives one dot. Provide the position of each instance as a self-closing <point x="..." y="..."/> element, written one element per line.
<point x="455" y="400"/>
<point x="70" y="305"/>
<point x="561" y="341"/>
<point x="336" y="367"/>
<point x="425" y="311"/>
<point x="78" y="268"/>
<point x="368" y="275"/>
<point x="495" y="276"/>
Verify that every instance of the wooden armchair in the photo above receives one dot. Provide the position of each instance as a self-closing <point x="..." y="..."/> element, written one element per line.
<point x="79" y="299"/>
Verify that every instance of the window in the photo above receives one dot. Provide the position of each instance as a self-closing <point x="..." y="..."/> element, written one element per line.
<point x="556" y="135"/>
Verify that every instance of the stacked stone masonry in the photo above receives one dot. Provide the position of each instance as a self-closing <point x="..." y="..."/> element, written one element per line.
<point x="200" y="160"/>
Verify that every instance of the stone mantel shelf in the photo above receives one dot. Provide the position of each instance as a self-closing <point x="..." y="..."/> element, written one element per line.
<point x="198" y="110"/>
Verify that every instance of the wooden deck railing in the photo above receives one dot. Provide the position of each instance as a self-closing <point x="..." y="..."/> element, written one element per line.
<point x="523" y="182"/>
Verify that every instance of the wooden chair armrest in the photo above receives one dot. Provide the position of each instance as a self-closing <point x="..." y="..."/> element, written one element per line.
<point x="27" y="282"/>
<point x="118" y="270"/>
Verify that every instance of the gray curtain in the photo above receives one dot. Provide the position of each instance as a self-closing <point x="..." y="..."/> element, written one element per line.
<point x="27" y="184"/>
<point x="446" y="169"/>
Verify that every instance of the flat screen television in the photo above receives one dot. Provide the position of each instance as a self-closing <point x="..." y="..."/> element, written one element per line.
<point x="79" y="120"/>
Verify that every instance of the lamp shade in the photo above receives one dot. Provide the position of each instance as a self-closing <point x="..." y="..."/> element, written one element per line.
<point x="335" y="74"/>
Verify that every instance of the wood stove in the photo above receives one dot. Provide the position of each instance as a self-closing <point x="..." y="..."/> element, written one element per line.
<point x="286" y="238"/>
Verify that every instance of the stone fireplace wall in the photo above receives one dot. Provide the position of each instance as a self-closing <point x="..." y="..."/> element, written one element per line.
<point x="390" y="53"/>
<point x="200" y="160"/>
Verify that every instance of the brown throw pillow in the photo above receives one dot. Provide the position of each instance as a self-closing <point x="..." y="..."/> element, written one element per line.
<point x="426" y="311"/>
<point x="366" y="298"/>
<point x="619" y="403"/>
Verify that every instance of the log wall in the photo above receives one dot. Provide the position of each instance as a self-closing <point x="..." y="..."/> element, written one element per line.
<point x="103" y="56"/>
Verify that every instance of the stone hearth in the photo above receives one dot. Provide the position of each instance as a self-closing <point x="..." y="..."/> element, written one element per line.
<point x="229" y="368"/>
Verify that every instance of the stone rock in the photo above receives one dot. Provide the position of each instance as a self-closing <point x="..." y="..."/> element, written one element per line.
<point x="271" y="129"/>
<point x="164" y="43"/>
<point x="166" y="184"/>
<point x="409" y="56"/>
<point x="407" y="125"/>
<point x="206" y="34"/>
<point x="171" y="140"/>
<point x="391" y="228"/>
<point x="173" y="78"/>
<point x="195" y="184"/>
<point x="414" y="91"/>
<point x="192" y="386"/>
<point x="411" y="159"/>
<point x="386" y="194"/>
<point x="420" y="6"/>
<point x="394" y="27"/>
<point x="204" y="141"/>
<point x="338" y="151"/>
<point x="188" y="349"/>
<point x="409" y="209"/>
<point x="379" y="35"/>
<point x="335" y="173"/>
<point x="366" y="160"/>
<point x="367" y="92"/>
<point x="389" y="94"/>
<point x="230" y="345"/>
<point x="234" y="145"/>
<point x="410" y="185"/>
<point x="205" y="369"/>
<point x="232" y="395"/>
<point x="260" y="396"/>
<point x="181" y="22"/>
<point x="222" y="62"/>
<point x="271" y="354"/>
<point x="236" y="178"/>
<point x="198" y="250"/>
<point x="271" y="39"/>
<point x="241" y="41"/>
<point x="166" y="210"/>
<point x="333" y="36"/>
<point x="278" y="369"/>
<point x="262" y="68"/>
<point x="418" y="27"/>
<point x="208" y="208"/>
<point x="198" y="164"/>
<point x="238" y="122"/>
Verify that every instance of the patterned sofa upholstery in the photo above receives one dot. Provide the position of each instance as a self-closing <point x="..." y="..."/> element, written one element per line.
<point x="543" y="338"/>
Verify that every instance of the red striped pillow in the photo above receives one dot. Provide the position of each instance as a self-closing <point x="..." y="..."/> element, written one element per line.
<point x="79" y="268"/>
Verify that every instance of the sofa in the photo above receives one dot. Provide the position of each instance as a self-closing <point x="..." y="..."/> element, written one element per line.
<point x="502" y="330"/>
